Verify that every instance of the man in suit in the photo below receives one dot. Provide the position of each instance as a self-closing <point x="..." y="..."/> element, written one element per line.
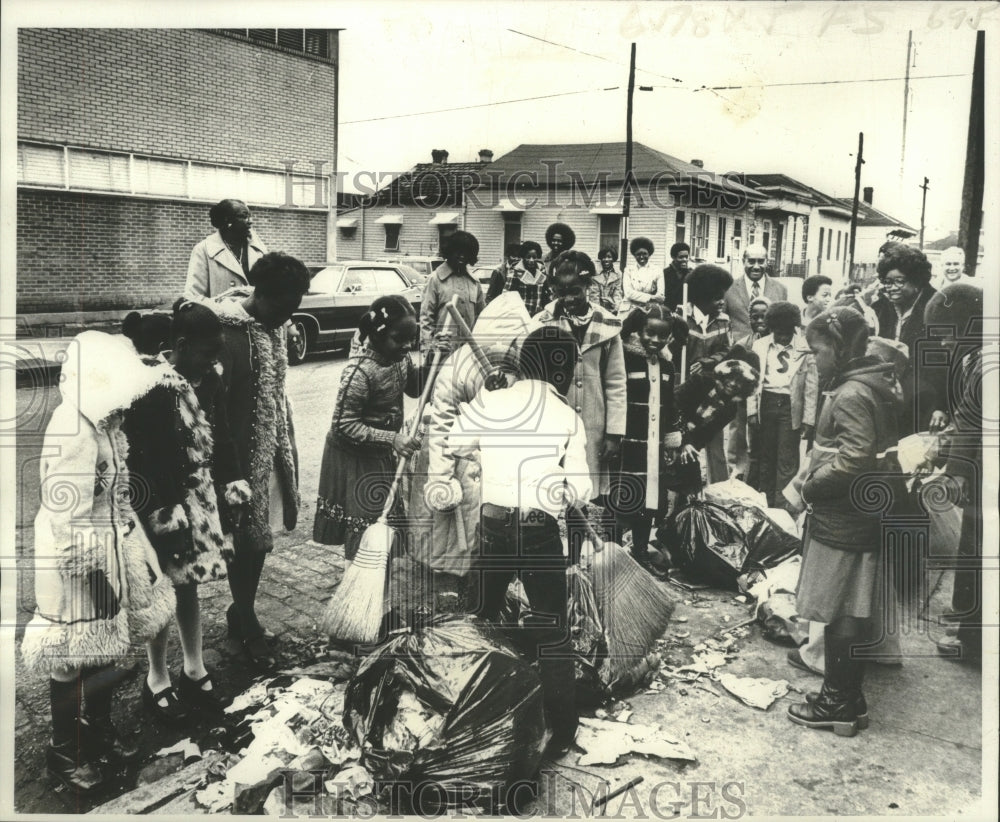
<point x="754" y="284"/>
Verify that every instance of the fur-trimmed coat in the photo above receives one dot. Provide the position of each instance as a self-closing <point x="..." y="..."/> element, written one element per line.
<point x="254" y="362"/>
<point x="179" y="437"/>
<point x="99" y="589"/>
<point x="598" y="390"/>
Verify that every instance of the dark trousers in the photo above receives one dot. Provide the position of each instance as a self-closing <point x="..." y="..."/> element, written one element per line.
<point x="967" y="595"/>
<point x="533" y="552"/>
<point x="777" y="446"/>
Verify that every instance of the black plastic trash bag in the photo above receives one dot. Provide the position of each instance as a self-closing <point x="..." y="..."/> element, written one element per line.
<point x="768" y="544"/>
<point x="590" y="646"/>
<point x="706" y="542"/>
<point x="451" y="708"/>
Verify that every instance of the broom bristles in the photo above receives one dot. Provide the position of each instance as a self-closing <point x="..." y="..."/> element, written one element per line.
<point x="634" y="607"/>
<point x="354" y="613"/>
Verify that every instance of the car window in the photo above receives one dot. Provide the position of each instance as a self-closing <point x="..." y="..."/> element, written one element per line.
<point x="389" y="281"/>
<point x="358" y="279"/>
<point x="326" y="280"/>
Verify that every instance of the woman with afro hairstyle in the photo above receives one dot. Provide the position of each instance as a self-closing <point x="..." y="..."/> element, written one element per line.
<point x="641" y="282"/>
<point x="452" y="278"/>
<point x="904" y="274"/>
<point x="559" y="237"/>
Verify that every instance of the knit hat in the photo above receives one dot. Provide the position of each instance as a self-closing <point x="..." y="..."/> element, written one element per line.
<point x="891" y="351"/>
<point x="745" y="375"/>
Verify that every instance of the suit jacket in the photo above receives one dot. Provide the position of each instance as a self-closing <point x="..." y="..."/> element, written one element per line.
<point x="738" y="303"/>
<point x="213" y="269"/>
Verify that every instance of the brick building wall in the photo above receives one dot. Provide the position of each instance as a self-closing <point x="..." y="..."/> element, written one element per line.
<point x="173" y="93"/>
<point x="84" y="252"/>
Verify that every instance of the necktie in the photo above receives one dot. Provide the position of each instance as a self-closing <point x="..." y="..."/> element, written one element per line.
<point x="756" y="290"/>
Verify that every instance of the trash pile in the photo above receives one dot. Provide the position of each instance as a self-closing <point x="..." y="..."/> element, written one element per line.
<point x="451" y="715"/>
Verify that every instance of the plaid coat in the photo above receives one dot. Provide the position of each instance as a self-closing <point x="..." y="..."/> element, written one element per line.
<point x="598" y="390"/>
<point x="710" y="345"/>
<point x="704" y="411"/>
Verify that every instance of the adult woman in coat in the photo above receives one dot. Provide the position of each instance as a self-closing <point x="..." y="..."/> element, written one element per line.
<point x="254" y="363"/>
<point x="99" y="589"/>
<point x="223" y="260"/>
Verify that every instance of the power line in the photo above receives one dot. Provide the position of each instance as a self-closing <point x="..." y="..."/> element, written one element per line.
<point x="480" y="105"/>
<point x="820" y="82"/>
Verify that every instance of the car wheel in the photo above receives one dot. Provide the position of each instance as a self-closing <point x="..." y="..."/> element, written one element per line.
<point x="298" y="345"/>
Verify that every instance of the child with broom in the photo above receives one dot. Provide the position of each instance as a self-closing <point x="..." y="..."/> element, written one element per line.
<point x="365" y="440"/>
<point x="652" y="437"/>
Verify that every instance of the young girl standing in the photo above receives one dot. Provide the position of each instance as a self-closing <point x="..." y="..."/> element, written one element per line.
<point x="841" y="579"/>
<point x="184" y="455"/>
<point x="365" y="441"/>
<point x="651" y="436"/>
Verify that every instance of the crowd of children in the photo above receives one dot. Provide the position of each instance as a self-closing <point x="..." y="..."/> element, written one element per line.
<point x="581" y="393"/>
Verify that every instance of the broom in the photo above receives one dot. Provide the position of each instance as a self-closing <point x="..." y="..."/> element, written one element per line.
<point x="634" y="608"/>
<point x="684" y="350"/>
<point x="354" y="613"/>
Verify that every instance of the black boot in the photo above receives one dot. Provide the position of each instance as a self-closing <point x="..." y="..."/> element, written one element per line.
<point x="67" y="764"/>
<point x="103" y="740"/>
<point x="100" y="736"/>
<point x="66" y="759"/>
<point x="836" y="705"/>
<point x="860" y="708"/>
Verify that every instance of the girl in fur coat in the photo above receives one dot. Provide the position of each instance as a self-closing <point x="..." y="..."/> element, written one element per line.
<point x="99" y="589"/>
<point x="180" y="436"/>
<point x="652" y="436"/>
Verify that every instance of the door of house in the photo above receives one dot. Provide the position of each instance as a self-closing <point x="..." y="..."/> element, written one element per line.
<point x="779" y="235"/>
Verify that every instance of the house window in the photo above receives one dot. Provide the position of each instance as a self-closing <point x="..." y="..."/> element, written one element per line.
<point x="699" y="236"/>
<point x="720" y="241"/>
<point x="804" y="250"/>
<point x="838" y="247"/>
<point x="765" y="238"/>
<point x="511" y="228"/>
<point x="829" y="244"/>
<point x="314" y="42"/>
<point x="610" y="231"/>
<point x="819" y="257"/>
<point x="392" y="236"/>
<point x="679" y="227"/>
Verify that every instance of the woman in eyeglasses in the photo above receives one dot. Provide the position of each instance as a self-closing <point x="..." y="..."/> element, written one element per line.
<point x="904" y="275"/>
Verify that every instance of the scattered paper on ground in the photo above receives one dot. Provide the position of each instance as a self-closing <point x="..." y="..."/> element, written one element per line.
<point x="186" y="747"/>
<point x="757" y="693"/>
<point x="355" y="782"/>
<point x="604" y="742"/>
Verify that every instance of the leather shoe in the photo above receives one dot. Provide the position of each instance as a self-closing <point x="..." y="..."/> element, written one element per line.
<point x="860" y="708"/>
<point x="192" y="693"/>
<point x="171" y="711"/>
<point x="235" y="630"/>
<point x="259" y="654"/>
<point x="834" y="710"/>
<point x="66" y="764"/>
<point x="103" y="739"/>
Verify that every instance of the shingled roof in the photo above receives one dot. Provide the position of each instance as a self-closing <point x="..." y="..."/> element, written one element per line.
<point x="431" y="184"/>
<point x="869" y="216"/>
<point x="565" y="164"/>
<point x="782" y="184"/>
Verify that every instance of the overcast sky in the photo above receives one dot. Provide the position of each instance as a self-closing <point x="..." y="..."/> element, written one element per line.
<point x="418" y="59"/>
<point x="409" y="58"/>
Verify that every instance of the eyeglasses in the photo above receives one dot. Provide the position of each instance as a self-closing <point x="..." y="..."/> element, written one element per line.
<point x="894" y="283"/>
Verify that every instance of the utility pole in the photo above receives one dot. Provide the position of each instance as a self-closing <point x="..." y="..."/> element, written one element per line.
<point x="854" y="207"/>
<point x="627" y="197"/>
<point x="906" y="100"/>
<point x="923" y="210"/>
<point x="971" y="218"/>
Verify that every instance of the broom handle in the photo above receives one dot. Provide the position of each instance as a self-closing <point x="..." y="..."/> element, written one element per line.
<point x="436" y="361"/>
<point x="684" y="350"/>
<point x="466" y="332"/>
